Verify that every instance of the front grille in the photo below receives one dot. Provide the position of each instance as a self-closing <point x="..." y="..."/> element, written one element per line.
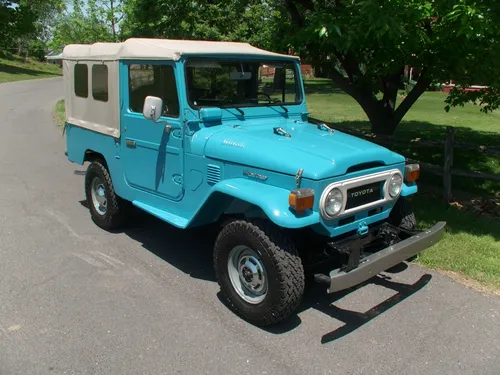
<point x="362" y="195"/>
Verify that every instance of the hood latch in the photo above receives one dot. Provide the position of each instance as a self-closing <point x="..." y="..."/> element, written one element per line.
<point x="325" y="128"/>
<point x="280" y="131"/>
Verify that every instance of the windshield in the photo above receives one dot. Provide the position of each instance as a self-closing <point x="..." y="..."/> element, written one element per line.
<point x="223" y="83"/>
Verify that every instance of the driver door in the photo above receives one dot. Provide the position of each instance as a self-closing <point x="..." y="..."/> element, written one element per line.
<point x="152" y="156"/>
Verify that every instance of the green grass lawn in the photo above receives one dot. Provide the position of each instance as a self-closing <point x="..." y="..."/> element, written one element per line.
<point x="426" y="120"/>
<point x="59" y="113"/>
<point x="471" y="247"/>
<point x="14" y="68"/>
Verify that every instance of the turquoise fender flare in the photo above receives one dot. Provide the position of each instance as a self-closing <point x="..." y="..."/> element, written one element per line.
<point x="272" y="200"/>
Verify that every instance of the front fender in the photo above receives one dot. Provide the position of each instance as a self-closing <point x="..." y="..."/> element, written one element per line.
<point x="271" y="199"/>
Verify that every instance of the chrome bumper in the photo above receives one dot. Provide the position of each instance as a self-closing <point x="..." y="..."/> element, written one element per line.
<point x="384" y="259"/>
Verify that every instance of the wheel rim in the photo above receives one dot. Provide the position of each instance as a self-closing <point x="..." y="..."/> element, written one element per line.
<point x="247" y="274"/>
<point x="98" y="193"/>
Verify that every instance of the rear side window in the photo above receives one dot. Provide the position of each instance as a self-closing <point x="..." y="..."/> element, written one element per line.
<point x="100" y="82"/>
<point x="155" y="80"/>
<point x="81" y="77"/>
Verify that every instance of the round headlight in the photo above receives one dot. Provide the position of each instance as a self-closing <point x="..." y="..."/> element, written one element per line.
<point x="333" y="202"/>
<point x="395" y="185"/>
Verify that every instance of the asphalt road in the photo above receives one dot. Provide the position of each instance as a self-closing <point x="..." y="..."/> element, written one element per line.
<point x="75" y="299"/>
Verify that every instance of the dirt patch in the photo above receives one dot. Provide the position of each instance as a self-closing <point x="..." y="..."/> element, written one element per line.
<point x="470" y="283"/>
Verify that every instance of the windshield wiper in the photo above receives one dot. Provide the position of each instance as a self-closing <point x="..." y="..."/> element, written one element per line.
<point x="238" y="109"/>
<point x="281" y="105"/>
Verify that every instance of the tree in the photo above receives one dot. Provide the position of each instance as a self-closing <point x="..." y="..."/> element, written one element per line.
<point x="25" y="24"/>
<point x="254" y="22"/>
<point x="89" y="22"/>
<point x="365" y="45"/>
<point x="482" y="64"/>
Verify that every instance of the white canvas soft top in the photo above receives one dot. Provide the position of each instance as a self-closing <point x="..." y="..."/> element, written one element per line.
<point x="161" y="49"/>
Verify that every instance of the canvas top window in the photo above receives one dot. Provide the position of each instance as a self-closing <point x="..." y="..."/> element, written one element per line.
<point x="81" y="80"/>
<point x="241" y="83"/>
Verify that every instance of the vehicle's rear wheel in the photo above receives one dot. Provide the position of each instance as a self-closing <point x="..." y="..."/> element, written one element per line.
<point x="259" y="271"/>
<point x="107" y="210"/>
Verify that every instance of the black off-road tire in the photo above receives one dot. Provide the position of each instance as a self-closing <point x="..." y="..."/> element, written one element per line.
<point x="285" y="273"/>
<point x="117" y="209"/>
<point x="402" y="215"/>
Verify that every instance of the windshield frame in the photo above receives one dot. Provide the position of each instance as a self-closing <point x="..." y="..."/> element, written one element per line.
<point x="296" y="69"/>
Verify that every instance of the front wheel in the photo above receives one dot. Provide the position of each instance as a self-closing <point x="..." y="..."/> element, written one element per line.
<point x="402" y="215"/>
<point x="259" y="271"/>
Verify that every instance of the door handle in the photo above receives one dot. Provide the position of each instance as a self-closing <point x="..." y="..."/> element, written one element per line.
<point x="168" y="128"/>
<point x="130" y="143"/>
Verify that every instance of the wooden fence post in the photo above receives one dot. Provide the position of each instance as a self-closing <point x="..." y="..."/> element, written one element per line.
<point x="448" y="162"/>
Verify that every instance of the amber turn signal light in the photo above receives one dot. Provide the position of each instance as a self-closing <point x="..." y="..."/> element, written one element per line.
<point x="412" y="172"/>
<point x="301" y="199"/>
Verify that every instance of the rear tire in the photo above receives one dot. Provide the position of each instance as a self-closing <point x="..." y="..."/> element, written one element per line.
<point x="259" y="271"/>
<point x="108" y="211"/>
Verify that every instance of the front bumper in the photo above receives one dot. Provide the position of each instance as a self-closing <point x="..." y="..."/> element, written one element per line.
<point x="382" y="260"/>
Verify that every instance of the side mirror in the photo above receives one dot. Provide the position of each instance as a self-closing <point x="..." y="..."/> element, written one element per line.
<point x="152" y="108"/>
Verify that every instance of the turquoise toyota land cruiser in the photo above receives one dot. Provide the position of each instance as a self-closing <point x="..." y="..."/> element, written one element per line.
<point x="197" y="133"/>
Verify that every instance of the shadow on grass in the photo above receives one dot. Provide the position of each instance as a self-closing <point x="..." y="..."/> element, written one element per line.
<point x="429" y="209"/>
<point x="321" y="86"/>
<point x="18" y="70"/>
<point x="428" y="131"/>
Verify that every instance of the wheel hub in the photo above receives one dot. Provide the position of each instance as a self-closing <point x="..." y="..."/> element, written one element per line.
<point x="247" y="274"/>
<point x="251" y="272"/>
<point x="98" y="193"/>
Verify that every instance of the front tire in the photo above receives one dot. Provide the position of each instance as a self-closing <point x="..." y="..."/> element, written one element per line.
<point x="259" y="271"/>
<point x="402" y="215"/>
<point x="108" y="211"/>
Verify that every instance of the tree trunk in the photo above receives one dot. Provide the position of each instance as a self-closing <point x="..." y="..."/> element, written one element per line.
<point x="381" y="116"/>
<point x="113" y="23"/>
<point x="278" y="79"/>
<point x="383" y="124"/>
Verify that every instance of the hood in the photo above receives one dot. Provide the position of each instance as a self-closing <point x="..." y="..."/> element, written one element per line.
<point x="320" y="153"/>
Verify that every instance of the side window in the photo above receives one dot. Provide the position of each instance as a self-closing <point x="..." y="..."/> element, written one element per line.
<point x="100" y="82"/>
<point x="81" y="78"/>
<point x="155" y="80"/>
